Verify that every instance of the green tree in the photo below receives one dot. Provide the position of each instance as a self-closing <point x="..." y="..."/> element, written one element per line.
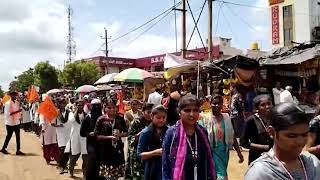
<point x="13" y="85"/>
<point x="1" y="92"/>
<point x="46" y="76"/>
<point x="79" y="73"/>
<point x="25" y="80"/>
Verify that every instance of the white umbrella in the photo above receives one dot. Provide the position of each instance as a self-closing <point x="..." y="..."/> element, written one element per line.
<point x="106" y="79"/>
<point x="54" y="91"/>
<point x="86" y="89"/>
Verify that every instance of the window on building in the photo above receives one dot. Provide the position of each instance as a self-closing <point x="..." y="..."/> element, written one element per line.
<point x="288" y="25"/>
<point x="288" y="36"/>
<point x="287" y="11"/>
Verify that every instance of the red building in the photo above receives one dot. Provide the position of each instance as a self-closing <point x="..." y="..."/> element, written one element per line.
<point x="150" y="63"/>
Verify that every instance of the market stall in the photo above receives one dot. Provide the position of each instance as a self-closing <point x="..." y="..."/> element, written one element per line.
<point x="298" y="67"/>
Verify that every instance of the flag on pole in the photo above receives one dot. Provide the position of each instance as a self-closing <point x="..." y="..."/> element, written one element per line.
<point x="5" y="98"/>
<point x="32" y="94"/>
<point x="48" y="109"/>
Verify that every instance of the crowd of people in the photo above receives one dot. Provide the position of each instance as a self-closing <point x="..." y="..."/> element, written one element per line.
<point x="171" y="137"/>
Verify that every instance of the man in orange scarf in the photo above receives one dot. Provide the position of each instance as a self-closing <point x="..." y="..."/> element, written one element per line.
<point x="12" y="115"/>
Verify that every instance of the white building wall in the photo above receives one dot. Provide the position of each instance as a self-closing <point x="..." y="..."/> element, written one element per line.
<point x="306" y="16"/>
<point x="314" y="6"/>
<point x="302" y="21"/>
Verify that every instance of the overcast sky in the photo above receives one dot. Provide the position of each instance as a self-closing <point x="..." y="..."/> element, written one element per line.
<point x="32" y="31"/>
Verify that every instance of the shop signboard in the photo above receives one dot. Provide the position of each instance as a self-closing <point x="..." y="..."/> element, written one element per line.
<point x="273" y="2"/>
<point x="275" y="24"/>
<point x="121" y="62"/>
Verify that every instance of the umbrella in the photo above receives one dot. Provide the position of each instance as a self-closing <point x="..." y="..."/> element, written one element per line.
<point x="86" y="89"/>
<point x="106" y="79"/>
<point x="133" y="75"/>
<point x="55" y="91"/>
<point x="106" y="87"/>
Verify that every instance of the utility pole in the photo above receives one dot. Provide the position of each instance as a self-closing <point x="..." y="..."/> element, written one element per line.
<point x="175" y="25"/>
<point x="106" y="41"/>
<point x="106" y="46"/>
<point x="210" y="30"/>
<point x="184" y="31"/>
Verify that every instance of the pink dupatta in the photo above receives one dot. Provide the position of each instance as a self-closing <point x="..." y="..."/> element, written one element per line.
<point x="182" y="152"/>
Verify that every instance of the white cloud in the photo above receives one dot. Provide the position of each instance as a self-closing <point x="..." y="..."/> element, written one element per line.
<point x="98" y="27"/>
<point x="147" y="45"/>
<point x="29" y="33"/>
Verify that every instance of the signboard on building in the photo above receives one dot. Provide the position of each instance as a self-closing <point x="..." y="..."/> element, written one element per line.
<point x="121" y="62"/>
<point x="275" y="24"/>
<point x="272" y="2"/>
<point x="158" y="59"/>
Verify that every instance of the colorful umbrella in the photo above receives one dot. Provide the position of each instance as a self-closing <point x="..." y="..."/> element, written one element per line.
<point x="133" y="75"/>
<point x="106" y="79"/>
<point x="106" y="87"/>
<point x="86" y="89"/>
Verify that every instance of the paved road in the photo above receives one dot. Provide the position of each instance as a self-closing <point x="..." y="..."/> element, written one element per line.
<point x="34" y="167"/>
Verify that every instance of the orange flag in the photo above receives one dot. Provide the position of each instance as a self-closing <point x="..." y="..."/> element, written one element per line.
<point x="32" y="94"/>
<point x="48" y="109"/>
<point x="5" y="98"/>
<point x="120" y="103"/>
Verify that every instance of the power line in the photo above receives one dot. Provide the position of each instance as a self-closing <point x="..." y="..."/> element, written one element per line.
<point x="218" y="18"/>
<point x="239" y="4"/>
<point x="243" y="20"/>
<point x="194" y="28"/>
<point x="196" y="25"/>
<point x="154" y="24"/>
<point x="229" y="24"/>
<point x="144" y="24"/>
<point x="259" y="7"/>
<point x="99" y="49"/>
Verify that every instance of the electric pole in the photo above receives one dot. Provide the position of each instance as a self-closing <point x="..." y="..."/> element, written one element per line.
<point x="106" y="46"/>
<point x="184" y="33"/>
<point x="210" y="30"/>
<point x="106" y="41"/>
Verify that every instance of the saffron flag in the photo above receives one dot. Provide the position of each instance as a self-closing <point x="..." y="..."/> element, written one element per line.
<point x="32" y="94"/>
<point x="120" y="103"/>
<point x="5" y="99"/>
<point x="48" y="109"/>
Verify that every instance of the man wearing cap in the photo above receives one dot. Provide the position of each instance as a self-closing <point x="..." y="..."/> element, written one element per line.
<point x="87" y="130"/>
<point x="12" y="116"/>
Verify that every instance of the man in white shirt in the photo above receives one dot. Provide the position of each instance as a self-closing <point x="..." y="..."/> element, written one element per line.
<point x="155" y="97"/>
<point x="276" y="91"/>
<point x="286" y="96"/>
<point x="12" y="116"/>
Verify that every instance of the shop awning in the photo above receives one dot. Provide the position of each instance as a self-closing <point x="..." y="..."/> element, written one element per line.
<point x="176" y="64"/>
<point x="295" y="55"/>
